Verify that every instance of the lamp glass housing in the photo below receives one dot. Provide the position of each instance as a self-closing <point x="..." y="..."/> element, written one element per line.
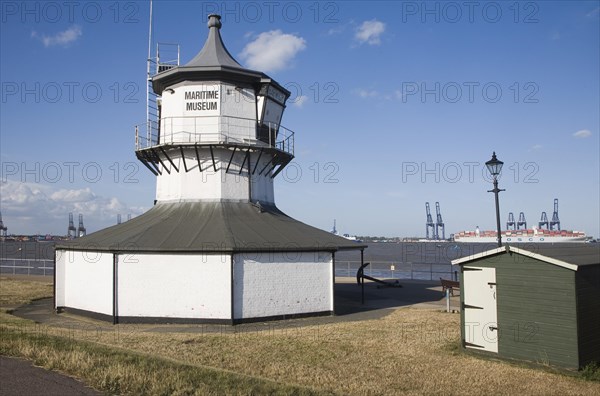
<point x="270" y="102"/>
<point x="270" y="105"/>
<point x="494" y="165"/>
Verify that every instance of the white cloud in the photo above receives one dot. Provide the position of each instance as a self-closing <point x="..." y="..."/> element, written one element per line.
<point x="82" y="195"/>
<point x="30" y="208"/>
<point x="300" y="100"/>
<point x="370" y="32"/>
<point x="366" y="93"/>
<point x="63" y="38"/>
<point x="272" y="51"/>
<point x="584" y="133"/>
<point x="336" y="30"/>
<point x="593" y="13"/>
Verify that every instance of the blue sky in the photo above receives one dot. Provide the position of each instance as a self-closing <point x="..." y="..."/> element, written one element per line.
<point x="393" y="104"/>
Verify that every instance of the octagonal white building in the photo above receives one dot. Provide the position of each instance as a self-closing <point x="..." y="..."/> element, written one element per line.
<point x="214" y="248"/>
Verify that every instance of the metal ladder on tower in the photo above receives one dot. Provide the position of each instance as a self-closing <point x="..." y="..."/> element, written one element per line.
<point x="166" y="56"/>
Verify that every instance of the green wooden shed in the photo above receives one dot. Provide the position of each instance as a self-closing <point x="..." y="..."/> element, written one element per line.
<point x="536" y="303"/>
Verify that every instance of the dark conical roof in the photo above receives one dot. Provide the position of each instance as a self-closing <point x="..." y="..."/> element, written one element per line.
<point x="213" y="62"/>
<point x="214" y="52"/>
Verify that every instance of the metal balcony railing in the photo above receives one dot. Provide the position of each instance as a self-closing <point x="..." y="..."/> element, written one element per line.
<point x="213" y="130"/>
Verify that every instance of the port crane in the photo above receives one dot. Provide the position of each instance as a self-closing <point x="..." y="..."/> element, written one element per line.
<point x="120" y="218"/>
<point x="3" y="228"/>
<point x="522" y="222"/>
<point x="510" y="224"/>
<point x="555" y="221"/>
<point x="429" y="223"/>
<point x="543" y="221"/>
<point x="334" y="231"/>
<point x="81" y="229"/>
<point x="439" y="223"/>
<point x="71" y="231"/>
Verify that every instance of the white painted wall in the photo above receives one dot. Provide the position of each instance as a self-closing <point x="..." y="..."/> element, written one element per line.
<point x="262" y="185"/>
<point x="211" y="185"/>
<point x="175" y="285"/>
<point x="174" y="104"/>
<point x="88" y="281"/>
<point x="59" y="272"/>
<point x="238" y="101"/>
<point x="208" y="184"/>
<point x="268" y="284"/>
<point x="233" y="119"/>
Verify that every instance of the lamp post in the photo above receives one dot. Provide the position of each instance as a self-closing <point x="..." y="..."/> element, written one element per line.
<point x="494" y="166"/>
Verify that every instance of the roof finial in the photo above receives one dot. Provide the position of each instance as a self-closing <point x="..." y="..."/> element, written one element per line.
<point x="214" y="20"/>
<point x="214" y="53"/>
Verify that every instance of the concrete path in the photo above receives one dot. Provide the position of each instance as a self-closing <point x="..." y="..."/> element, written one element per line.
<point x="19" y="377"/>
<point x="413" y="293"/>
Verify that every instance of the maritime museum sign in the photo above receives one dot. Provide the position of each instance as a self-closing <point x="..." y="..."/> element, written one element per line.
<point x="201" y="100"/>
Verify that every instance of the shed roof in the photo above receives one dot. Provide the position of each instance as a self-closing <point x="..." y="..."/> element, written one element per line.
<point x="571" y="255"/>
<point x="211" y="227"/>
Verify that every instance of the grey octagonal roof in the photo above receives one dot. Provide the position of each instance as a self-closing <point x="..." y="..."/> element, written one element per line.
<point x="211" y="227"/>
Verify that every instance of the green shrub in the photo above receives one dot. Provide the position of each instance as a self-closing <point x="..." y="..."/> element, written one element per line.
<point x="591" y="372"/>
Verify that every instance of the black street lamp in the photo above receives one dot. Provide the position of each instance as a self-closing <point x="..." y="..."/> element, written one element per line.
<point x="494" y="167"/>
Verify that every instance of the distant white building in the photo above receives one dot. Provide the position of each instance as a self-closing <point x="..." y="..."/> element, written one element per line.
<point x="214" y="248"/>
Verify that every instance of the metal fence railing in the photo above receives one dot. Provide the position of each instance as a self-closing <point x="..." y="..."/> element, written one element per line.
<point x="377" y="269"/>
<point x="397" y="270"/>
<point x="27" y="267"/>
<point x="213" y="129"/>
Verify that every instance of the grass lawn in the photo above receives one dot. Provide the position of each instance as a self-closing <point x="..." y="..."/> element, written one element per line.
<point x="15" y="292"/>
<point x="411" y="351"/>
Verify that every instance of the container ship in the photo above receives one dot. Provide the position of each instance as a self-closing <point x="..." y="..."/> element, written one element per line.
<point x="532" y="235"/>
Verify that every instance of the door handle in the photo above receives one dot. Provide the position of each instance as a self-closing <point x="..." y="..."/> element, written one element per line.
<point x="493" y="328"/>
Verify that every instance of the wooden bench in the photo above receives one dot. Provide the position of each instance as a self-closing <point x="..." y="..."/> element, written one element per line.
<point x="449" y="285"/>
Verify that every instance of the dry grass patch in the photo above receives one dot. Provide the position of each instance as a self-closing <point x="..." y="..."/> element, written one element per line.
<point x="15" y="292"/>
<point x="127" y="373"/>
<point x="411" y="351"/>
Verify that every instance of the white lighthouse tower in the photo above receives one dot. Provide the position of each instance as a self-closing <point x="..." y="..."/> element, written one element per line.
<point x="214" y="247"/>
<point x="219" y="135"/>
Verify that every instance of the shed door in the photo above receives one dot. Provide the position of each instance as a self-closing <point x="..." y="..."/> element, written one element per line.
<point x="481" y="328"/>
